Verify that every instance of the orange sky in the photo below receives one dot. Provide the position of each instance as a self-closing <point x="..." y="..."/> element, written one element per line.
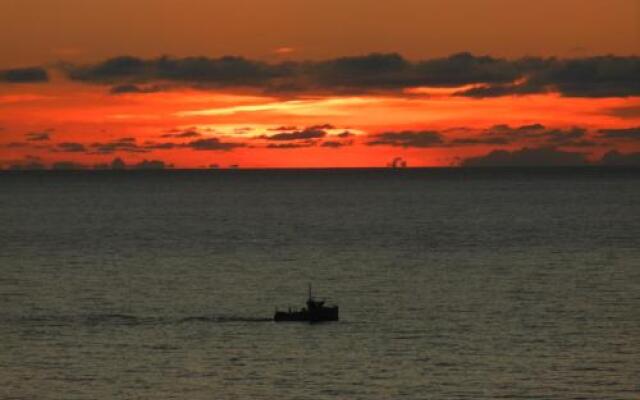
<point x="192" y="125"/>
<point x="36" y="31"/>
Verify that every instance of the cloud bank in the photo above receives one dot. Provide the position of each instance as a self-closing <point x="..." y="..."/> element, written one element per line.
<point x="603" y="76"/>
<point x="24" y="75"/>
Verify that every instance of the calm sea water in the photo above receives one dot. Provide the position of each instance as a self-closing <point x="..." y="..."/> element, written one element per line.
<point x="453" y="284"/>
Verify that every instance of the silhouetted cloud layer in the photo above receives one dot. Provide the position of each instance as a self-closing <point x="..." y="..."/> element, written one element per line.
<point x="584" y="77"/>
<point x="407" y="139"/>
<point x="212" y="144"/>
<point x="497" y="135"/>
<point x="70" y="147"/>
<point x="131" y="88"/>
<point x="24" y="75"/>
<point x="182" y="135"/>
<point x="309" y="133"/>
<point x="527" y="157"/>
<point x="629" y="133"/>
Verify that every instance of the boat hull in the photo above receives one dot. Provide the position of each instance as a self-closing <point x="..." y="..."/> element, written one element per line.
<point x="324" y="314"/>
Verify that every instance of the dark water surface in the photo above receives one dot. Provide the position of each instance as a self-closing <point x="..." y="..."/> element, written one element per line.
<point x="453" y="284"/>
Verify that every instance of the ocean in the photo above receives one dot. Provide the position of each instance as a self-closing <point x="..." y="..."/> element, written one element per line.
<point x="452" y="284"/>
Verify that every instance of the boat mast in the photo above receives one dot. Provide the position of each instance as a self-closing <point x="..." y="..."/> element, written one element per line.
<point x="310" y="297"/>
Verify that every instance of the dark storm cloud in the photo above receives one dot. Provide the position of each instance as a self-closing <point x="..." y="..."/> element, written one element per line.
<point x="38" y="136"/>
<point x="527" y="157"/>
<point x="583" y="77"/>
<point x="407" y="139"/>
<point x="213" y="144"/>
<point x="24" y="75"/>
<point x="628" y="133"/>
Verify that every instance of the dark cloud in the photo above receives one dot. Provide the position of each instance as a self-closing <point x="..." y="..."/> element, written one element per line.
<point x="24" y="75"/>
<point x="581" y="143"/>
<point x="130" y="145"/>
<point x="559" y="136"/>
<point x="345" y="134"/>
<point x="323" y="127"/>
<point x="527" y="157"/>
<point x="407" y="139"/>
<point x="370" y="71"/>
<point x="283" y="128"/>
<point x="291" y="145"/>
<point x="16" y="145"/>
<point x="475" y="141"/>
<point x="520" y="131"/>
<point x="628" y="133"/>
<point x="212" y="144"/>
<point x="38" y="136"/>
<point x="580" y="77"/>
<point x="70" y="147"/>
<point x="336" y="144"/>
<point x="160" y="146"/>
<point x="505" y="134"/>
<point x="465" y="68"/>
<point x="604" y="76"/>
<point x="313" y="132"/>
<point x="182" y="135"/>
<point x="127" y="144"/>
<point x="135" y="89"/>
<point x="225" y="71"/>
<point x="615" y="158"/>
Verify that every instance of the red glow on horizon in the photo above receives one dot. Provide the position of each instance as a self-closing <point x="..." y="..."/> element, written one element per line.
<point x="76" y="113"/>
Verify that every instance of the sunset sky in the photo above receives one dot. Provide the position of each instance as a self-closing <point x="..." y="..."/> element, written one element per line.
<point x="349" y="83"/>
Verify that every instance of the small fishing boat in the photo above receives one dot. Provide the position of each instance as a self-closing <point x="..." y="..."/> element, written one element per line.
<point x="315" y="311"/>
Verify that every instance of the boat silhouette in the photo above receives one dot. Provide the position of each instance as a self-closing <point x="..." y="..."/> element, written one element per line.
<point x="315" y="311"/>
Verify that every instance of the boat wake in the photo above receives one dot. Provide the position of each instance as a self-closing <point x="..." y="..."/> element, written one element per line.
<point x="221" y="319"/>
<point x="117" y="319"/>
